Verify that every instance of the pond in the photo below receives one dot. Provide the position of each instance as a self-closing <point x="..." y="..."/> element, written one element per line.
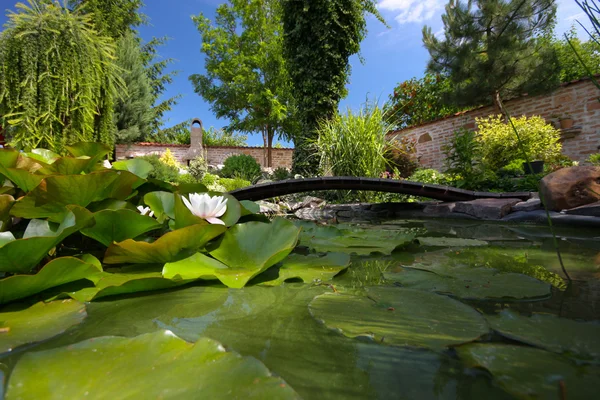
<point x="467" y="311"/>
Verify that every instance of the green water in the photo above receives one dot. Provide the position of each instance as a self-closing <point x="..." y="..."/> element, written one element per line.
<point x="275" y="325"/>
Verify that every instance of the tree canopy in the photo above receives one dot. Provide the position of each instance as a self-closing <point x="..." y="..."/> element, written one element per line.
<point x="493" y="49"/>
<point x="246" y="80"/>
<point x="58" y="78"/>
<point x="320" y="37"/>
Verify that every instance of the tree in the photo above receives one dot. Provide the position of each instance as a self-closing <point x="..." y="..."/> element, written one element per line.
<point x="246" y="80"/>
<point x="493" y="49"/>
<point x="133" y="111"/>
<point x="220" y="137"/>
<point x="113" y="18"/>
<point x="579" y="63"/>
<point x="320" y="37"/>
<point x="58" y="79"/>
<point x="417" y="101"/>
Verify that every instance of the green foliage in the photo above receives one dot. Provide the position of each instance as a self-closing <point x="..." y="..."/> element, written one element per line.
<point x="400" y="156"/>
<point x="592" y="10"/>
<point x="221" y="137"/>
<point x="161" y="171"/>
<point x="168" y="159"/>
<point x="462" y="157"/>
<point x="417" y="101"/>
<point x="58" y="78"/>
<point x="198" y="168"/>
<point x="230" y="184"/>
<point x="246" y="80"/>
<point x="429" y="175"/>
<point x="499" y="146"/>
<point x="577" y="58"/>
<point x="353" y="144"/>
<point x="241" y="166"/>
<point x="594" y="159"/>
<point x="133" y="111"/>
<point x="514" y="168"/>
<point x="280" y="174"/>
<point x="493" y="50"/>
<point x="319" y="38"/>
<point x="114" y="18"/>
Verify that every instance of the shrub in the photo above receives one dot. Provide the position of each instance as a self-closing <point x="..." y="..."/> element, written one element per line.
<point x="198" y="168"/>
<point x="558" y="162"/>
<point x="281" y="174"/>
<point x="594" y="159"/>
<point x="499" y="144"/>
<point x="241" y="166"/>
<point x="212" y="182"/>
<point x="186" y="178"/>
<point x="234" y="183"/>
<point x="161" y="171"/>
<point x="514" y="168"/>
<point x="400" y="157"/>
<point x="168" y="159"/>
<point x="429" y="175"/>
<point x="462" y="157"/>
<point x="354" y="144"/>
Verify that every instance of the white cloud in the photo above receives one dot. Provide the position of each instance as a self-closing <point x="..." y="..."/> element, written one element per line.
<point x="412" y="11"/>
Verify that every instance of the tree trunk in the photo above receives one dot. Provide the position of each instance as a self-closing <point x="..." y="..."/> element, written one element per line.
<point x="265" y="146"/>
<point x="497" y="102"/>
<point x="270" y="135"/>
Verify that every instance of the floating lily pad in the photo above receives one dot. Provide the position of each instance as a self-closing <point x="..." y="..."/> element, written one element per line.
<point x="172" y="246"/>
<point x="136" y="166"/>
<point x="361" y="245"/>
<point x="400" y="317"/>
<point x="202" y="369"/>
<point x="95" y="151"/>
<point x="161" y="204"/>
<point x="50" y="198"/>
<point x="118" y="225"/>
<point x="41" y="321"/>
<point x="43" y="155"/>
<point x="529" y="373"/>
<point x="197" y="266"/>
<point x="250" y="248"/>
<point x="22" y="255"/>
<point x="311" y="268"/>
<point x="57" y="272"/>
<point x="449" y="242"/>
<point x="560" y="335"/>
<point x="67" y="166"/>
<point x="471" y="283"/>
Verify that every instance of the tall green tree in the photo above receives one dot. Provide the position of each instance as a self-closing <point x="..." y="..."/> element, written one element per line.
<point x="320" y="37"/>
<point x="133" y="111"/>
<point x="113" y="18"/>
<point x="246" y="79"/>
<point x="492" y="49"/>
<point x="577" y="58"/>
<point x="58" y="78"/>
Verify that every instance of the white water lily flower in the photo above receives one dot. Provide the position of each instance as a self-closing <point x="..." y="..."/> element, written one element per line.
<point x="206" y="207"/>
<point x="144" y="210"/>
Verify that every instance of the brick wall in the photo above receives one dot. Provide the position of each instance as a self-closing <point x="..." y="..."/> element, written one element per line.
<point x="214" y="155"/>
<point x="578" y="99"/>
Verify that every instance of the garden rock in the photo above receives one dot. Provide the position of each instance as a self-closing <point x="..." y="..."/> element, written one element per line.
<point x="308" y="202"/>
<point x="589" y="210"/>
<point x="439" y="209"/>
<point x="529" y="205"/>
<point x="571" y="187"/>
<point x="269" y="208"/>
<point x="486" y="208"/>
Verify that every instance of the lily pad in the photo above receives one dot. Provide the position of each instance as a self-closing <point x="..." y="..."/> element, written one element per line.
<point x="311" y="268"/>
<point x="172" y="246"/>
<point x="449" y="242"/>
<point x="249" y="249"/>
<point x="471" y="283"/>
<point x="162" y="204"/>
<point x="43" y="155"/>
<point x="41" y="321"/>
<point x="197" y="266"/>
<point x="6" y="203"/>
<point x="95" y="151"/>
<point x="560" y="335"/>
<point x="529" y="373"/>
<point x="21" y="255"/>
<point x="136" y="166"/>
<point x="57" y="272"/>
<point x="49" y="198"/>
<point x="118" y="225"/>
<point x="400" y="317"/>
<point x="202" y="369"/>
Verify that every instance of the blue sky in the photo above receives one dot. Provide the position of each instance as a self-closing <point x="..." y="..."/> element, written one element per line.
<point x="390" y="55"/>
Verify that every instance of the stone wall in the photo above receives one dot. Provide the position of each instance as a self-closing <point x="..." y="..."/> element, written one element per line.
<point x="578" y="99"/>
<point x="214" y="155"/>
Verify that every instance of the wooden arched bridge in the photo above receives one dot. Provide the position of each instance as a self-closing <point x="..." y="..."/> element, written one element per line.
<point x="438" y="192"/>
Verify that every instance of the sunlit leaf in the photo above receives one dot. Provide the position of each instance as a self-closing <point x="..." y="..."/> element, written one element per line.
<point x="161" y="203"/>
<point x="311" y="268"/>
<point x="118" y="225"/>
<point x="137" y="166"/>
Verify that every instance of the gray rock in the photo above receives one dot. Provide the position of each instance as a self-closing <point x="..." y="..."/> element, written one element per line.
<point x="439" y="209"/>
<point x="314" y="214"/>
<point x="529" y="205"/>
<point x="268" y="208"/>
<point x="486" y="208"/>
<point x="589" y="210"/>
<point x="308" y="202"/>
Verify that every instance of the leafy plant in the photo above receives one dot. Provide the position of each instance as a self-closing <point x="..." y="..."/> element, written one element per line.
<point x="197" y="168"/>
<point x="499" y="146"/>
<point x="230" y="184"/>
<point x="354" y="144"/>
<point x="594" y="159"/>
<point x="401" y="158"/>
<point x="429" y="175"/>
<point x="241" y="166"/>
<point x="281" y="173"/>
<point x="462" y="157"/>
<point x="168" y="159"/>
<point x="161" y="171"/>
<point x="514" y="168"/>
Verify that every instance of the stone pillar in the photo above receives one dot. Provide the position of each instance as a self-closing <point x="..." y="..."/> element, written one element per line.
<point x="196" y="148"/>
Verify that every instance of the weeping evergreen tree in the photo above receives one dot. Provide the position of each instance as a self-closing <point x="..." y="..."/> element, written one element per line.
<point x="493" y="49"/>
<point x="133" y="112"/>
<point x="58" y="78"/>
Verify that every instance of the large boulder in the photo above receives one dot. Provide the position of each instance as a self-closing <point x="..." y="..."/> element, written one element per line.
<point x="571" y="187"/>
<point x="486" y="208"/>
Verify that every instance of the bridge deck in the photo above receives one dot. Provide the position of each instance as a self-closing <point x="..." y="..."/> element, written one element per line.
<point x="438" y="192"/>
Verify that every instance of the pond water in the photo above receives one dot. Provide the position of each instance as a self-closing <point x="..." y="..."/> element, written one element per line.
<point x="386" y="328"/>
